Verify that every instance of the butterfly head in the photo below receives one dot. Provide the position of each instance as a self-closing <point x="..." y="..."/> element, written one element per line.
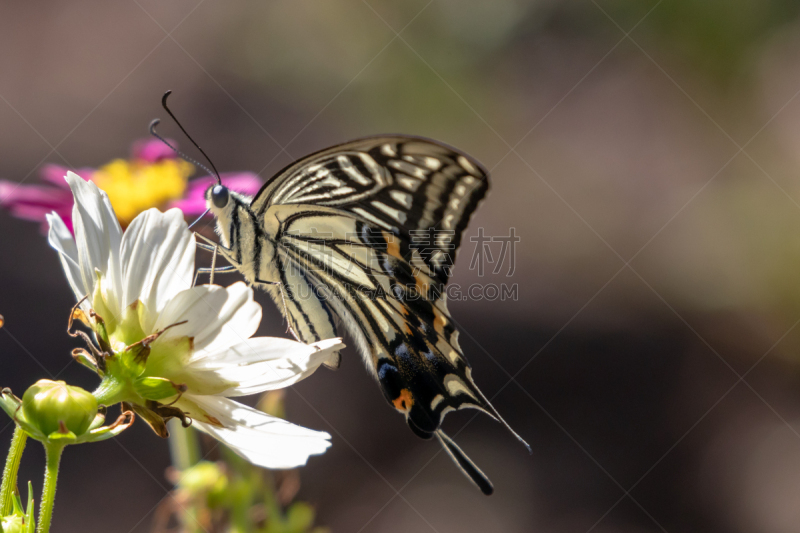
<point x="222" y="203"/>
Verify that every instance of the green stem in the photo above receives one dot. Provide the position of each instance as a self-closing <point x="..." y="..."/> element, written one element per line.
<point x="274" y="512"/>
<point x="9" y="483"/>
<point x="53" y="454"/>
<point x="184" y="447"/>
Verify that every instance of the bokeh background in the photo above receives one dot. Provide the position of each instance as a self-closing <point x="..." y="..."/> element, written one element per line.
<point x="646" y="153"/>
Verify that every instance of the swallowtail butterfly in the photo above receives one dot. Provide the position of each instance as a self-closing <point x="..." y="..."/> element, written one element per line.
<point x="366" y="232"/>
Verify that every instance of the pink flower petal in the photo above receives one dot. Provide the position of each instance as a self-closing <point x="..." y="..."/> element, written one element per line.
<point x="247" y="183"/>
<point x="55" y="174"/>
<point x="194" y="201"/>
<point x="190" y="207"/>
<point x="37" y="213"/>
<point x="152" y="150"/>
<point x="34" y="202"/>
<point x="12" y="194"/>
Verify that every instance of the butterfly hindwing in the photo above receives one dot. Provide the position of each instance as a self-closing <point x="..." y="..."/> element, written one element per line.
<point x="310" y="317"/>
<point x="396" y="312"/>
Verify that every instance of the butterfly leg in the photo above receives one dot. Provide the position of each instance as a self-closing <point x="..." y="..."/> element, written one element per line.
<point x="213" y="266"/>
<point x="204" y="247"/>
<point x="213" y="248"/>
<point x="218" y="270"/>
<point x="209" y="246"/>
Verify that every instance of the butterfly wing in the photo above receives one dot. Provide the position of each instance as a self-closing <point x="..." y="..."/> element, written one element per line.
<point x="422" y="191"/>
<point x="368" y="231"/>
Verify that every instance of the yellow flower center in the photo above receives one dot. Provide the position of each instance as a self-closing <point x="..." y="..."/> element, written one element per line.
<point x="135" y="186"/>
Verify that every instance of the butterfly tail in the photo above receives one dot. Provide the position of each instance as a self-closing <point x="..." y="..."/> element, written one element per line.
<point x="469" y="468"/>
<point x="489" y="409"/>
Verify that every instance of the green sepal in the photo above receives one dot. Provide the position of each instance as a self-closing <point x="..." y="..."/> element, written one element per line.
<point x="86" y="359"/>
<point x="66" y="437"/>
<point x="152" y="388"/>
<point x="153" y="419"/>
<point x="21" y="520"/>
<point x="102" y="433"/>
<point x="16" y="503"/>
<point x="136" y="358"/>
<point x="10" y="403"/>
<point x="13" y="408"/>
<point x="30" y="520"/>
<point x="99" y="418"/>
<point x="102" y="334"/>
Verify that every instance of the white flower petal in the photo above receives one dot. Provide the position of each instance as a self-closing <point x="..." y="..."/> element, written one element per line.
<point x="263" y="363"/>
<point x="217" y="317"/>
<point x="62" y="241"/>
<point x="98" y="236"/>
<point x="262" y="439"/>
<point x="157" y="258"/>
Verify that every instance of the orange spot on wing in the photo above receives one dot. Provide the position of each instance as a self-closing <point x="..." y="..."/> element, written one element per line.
<point x="392" y="246"/>
<point x="439" y="321"/>
<point x="404" y="401"/>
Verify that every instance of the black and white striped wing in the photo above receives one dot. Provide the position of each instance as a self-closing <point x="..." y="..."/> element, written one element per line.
<point x="368" y="232"/>
<point x="397" y="313"/>
<point x="419" y="190"/>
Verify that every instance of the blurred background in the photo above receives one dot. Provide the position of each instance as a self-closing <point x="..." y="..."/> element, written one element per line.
<point x="646" y="154"/>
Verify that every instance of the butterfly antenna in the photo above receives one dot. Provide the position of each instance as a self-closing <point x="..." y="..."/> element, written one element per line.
<point x="469" y="468"/>
<point x="171" y="114"/>
<point x="154" y="133"/>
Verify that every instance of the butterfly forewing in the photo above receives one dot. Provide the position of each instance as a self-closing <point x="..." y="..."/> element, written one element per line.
<point x="419" y="190"/>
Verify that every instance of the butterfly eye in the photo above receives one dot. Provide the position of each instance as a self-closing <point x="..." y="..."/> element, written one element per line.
<point x="219" y="195"/>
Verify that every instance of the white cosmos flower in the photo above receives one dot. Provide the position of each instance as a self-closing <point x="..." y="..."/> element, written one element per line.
<point x="175" y="349"/>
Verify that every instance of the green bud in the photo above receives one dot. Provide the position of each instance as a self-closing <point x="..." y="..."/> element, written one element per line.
<point x="300" y="516"/>
<point x="48" y="404"/>
<point x="14" y="524"/>
<point x="204" y="480"/>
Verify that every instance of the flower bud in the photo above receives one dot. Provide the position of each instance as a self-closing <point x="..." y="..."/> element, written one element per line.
<point x="204" y="478"/>
<point x="13" y="524"/>
<point x="47" y="404"/>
